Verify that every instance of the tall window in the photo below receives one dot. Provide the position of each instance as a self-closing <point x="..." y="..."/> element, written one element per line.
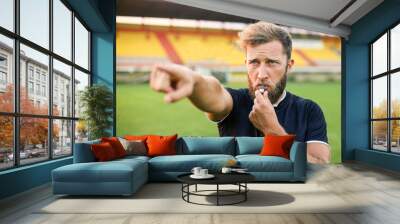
<point x="385" y="92"/>
<point x="52" y="52"/>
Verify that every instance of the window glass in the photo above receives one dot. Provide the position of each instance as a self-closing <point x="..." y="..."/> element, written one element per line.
<point x="6" y="142"/>
<point x="33" y="139"/>
<point x="81" y="45"/>
<point x="395" y="136"/>
<point x="379" y="55"/>
<point x="6" y="74"/>
<point x="395" y="94"/>
<point x="81" y="82"/>
<point x="62" y="138"/>
<point x="395" y="47"/>
<point x="62" y="91"/>
<point x="81" y="131"/>
<point x="39" y="62"/>
<point x="379" y="135"/>
<point x="379" y="97"/>
<point x="62" y="29"/>
<point x="7" y="14"/>
<point x="34" y="21"/>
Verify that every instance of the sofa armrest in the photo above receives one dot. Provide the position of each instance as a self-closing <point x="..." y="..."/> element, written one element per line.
<point x="83" y="152"/>
<point x="298" y="155"/>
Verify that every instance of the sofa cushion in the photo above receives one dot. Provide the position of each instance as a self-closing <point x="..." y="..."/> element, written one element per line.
<point x="136" y="137"/>
<point x="185" y="163"/>
<point x="134" y="147"/>
<point x="277" y="145"/>
<point x="206" y="145"/>
<point x="131" y="158"/>
<point x="112" y="171"/>
<point x="161" y="145"/>
<point x="83" y="152"/>
<point x="103" y="151"/>
<point x="249" y="145"/>
<point x="257" y="163"/>
<point x="116" y="145"/>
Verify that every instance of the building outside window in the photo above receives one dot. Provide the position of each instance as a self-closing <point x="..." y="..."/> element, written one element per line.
<point x="37" y="89"/>
<point x="37" y="75"/>
<point x="3" y="72"/>
<point x="3" y="61"/>
<point x="44" y="91"/>
<point x="30" y="72"/>
<point x="3" y="78"/>
<point x="30" y="87"/>
<point x="44" y="78"/>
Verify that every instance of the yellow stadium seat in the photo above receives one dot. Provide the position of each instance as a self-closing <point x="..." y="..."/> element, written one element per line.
<point x="138" y="44"/>
<point x="206" y="48"/>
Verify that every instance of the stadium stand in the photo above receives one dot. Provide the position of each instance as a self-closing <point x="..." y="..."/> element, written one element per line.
<point x="140" y="46"/>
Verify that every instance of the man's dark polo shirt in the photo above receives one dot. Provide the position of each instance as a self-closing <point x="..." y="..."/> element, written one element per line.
<point x="298" y="116"/>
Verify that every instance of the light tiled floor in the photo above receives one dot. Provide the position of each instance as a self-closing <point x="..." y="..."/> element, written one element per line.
<point x="380" y="189"/>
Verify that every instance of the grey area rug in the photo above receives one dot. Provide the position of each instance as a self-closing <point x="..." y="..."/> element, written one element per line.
<point x="166" y="198"/>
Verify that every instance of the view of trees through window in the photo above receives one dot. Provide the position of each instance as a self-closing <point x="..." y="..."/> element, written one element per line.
<point x="43" y="68"/>
<point x="385" y="94"/>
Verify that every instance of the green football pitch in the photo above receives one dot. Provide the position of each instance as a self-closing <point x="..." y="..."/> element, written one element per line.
<point x="142" y="111"/>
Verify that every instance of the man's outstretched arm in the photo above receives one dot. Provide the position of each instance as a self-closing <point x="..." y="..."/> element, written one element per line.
<point x="205" y="92"/>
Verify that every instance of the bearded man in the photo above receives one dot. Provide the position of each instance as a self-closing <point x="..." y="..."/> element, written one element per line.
<point x="265" y="107"/>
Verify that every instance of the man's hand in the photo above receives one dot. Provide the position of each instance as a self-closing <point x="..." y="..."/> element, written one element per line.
<point x="319" y="153"/>
<point x="263" y="115"/>
<point x="176" y="81"/>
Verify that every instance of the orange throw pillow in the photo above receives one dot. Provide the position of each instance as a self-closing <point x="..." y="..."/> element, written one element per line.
<point x="161" y="145"/>
<point x="136" y="137"/>
<point x="103" y="152"/>
<point x="275" y="145"/>
<point x="116" y="145"/>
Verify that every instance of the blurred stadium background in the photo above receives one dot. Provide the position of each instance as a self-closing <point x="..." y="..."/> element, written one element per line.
<point x="210" y="47"/>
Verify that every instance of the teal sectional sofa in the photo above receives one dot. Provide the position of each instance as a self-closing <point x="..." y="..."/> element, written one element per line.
<point x="125" y="176"/>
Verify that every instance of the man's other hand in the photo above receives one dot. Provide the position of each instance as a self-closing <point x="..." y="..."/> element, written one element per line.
<point x="319" y="153"/>
<point x="176" y="81"/>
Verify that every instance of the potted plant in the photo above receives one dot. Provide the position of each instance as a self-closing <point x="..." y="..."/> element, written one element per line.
<point x="97" y="104"/>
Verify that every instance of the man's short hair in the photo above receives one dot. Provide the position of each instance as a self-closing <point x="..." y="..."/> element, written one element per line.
<point x="263" y="32"/>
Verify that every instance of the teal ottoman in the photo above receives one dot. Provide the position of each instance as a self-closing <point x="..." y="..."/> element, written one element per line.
<point x="118" y="177"/>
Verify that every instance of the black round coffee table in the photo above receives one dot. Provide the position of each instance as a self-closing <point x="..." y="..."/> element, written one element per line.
<point x="238" y="179"/>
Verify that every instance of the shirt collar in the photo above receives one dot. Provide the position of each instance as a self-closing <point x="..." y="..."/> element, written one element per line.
<point x="281" y="98"/>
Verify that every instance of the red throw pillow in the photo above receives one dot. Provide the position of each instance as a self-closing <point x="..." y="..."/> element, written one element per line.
<point x="275" y="145"/>
<point x="161" y="145"/>
<point x="116" y="145"/>
<point x="103" y="151"/>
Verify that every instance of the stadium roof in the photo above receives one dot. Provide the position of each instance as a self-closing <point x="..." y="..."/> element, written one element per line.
<point x="326" y="16"/>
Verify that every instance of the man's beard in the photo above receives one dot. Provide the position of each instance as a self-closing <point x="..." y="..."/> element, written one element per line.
<point x="274" y="94"/>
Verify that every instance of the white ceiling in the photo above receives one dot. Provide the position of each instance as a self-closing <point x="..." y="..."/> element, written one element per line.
<point x="313" y="15"/>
